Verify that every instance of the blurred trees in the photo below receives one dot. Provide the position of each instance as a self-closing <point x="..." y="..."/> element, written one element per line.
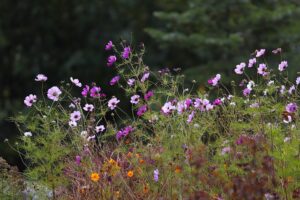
<point x="210" y="36"/>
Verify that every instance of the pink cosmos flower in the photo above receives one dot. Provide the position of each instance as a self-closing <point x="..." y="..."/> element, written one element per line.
<point x="239" y="69"/>
<point x="124" y="132"/>
<point x="283" y="65"/>
<point x="203" y="105"/>
<point x="135" y="99"/>
<point x="41" y="77"/>
<point x="29" y="100"/>
<point x="88" y="107"/>
<point x="292" y="89"/>
<point x="145" y="77"/>
<point x="75" y="116"/>
<point x="111" y="60"/>
<point x="131" y="81"/>
<point x="191" y="117"/>
<point x="246" y="92"/>
<point x="276" y="51"/>
<point x="181" y="107"/>
<point x="251" y="62"/>
<point x="168" y="107"/>
<point x="148" y="95"/>
<point x="114" y="80"/>
<point x="298" y="80"/>
<point x="95" y="92"/>
<point x="126" y="52"/>
<point x="260" y="52"/>
<point x="291" y="107"/>
<point x="262" y="70"/>
<point x="100" y="128"/>
<point x="156" y="175"/>
<point x="109" y="46"/>
<point x="112" y="103"/>
<point x="54" y="93"/>
<point x="215" y="80"/>
<point x="225" y="150"/>
<point x="217" y="102"/>
<point x="85" y="91"/>
<point x="72" y="124"/>
<point x="76" y="82"/>
<point x="142" y="110"/>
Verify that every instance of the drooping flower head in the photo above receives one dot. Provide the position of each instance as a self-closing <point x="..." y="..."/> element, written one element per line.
<point x="135" y="99"/>
<point x="239" y="69"/>
<point x="131" y="81"/>
<point x="85" y="91"/>
<point x="41" y="77"/>
<point x="75" y="116"/>
<point x="29" y="100"/>
<point x="191" y="117"/>
<point x="142" y="110"/>
<point x="291" y="107"/>
<point x="111" y="60"/>
<point x="114" y="80"/>
<point x="109" y="46"/>
<point x="145" y="77"/>
<point x="112" y="103"/>
<point x="215" y="80"/>
<point x="283" y="65"/>
<point x="126" y="52"/>
<point x="148" y="95"/>
<point x="76" y="82"/>
<point x="260" y="52"/>
<point x="54" y="93"/>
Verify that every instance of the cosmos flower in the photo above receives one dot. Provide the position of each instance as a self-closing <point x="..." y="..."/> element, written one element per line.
<point x="217" y="102"/>
<point x="292" y="89"/>
<point x="112" y="103"/>
<point x="283" y="65"/>
<point x="76" y="82"/>
<point x="181" y="107"/>
<point x="145" y="77"/>
<point x="111" y="60"/>
<point x="246" y="92"/>
<point x="126" y="52"/>
<point x="54" y="93"/>
<point x="75" y="116"/>
<point x="41" y="77"/>
<point x="114" y="80"/>
<point x="260" y="52"/>
<point x="225" y="150"/>
<point x="29" y="100"/>
<point x="215" y="80"/>
<point x="252" y="61"/>
<point x="72" y="124"/>
<point x="148" y="95"/>
<point x="168" y="107"/>
<point x="191" y="117"/>
<point x="298" y="80"/>
<point x="262" y="69"/>
<point x="124" y="132"/>
<point x="100" y="128"/>
<point x="135" y="99"/>
<point x="85" y="91"/>
<point x="88" y="107"/>
<point x="109" y="46"/>
<point x="142" y="110"/>
<point x="291" y="107"/>
<point x="239" y="69"/>
<point x="95" y="92"/>
<point x="156" y="175"/>
<point x="131" y="81"/>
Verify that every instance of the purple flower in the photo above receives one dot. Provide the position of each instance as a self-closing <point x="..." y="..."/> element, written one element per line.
<point x="145" y="77"/>
<point x="203" y="105"/>
<point x="78" y="160"/>
<point x="142" y="110"/>
<point x="85" y="91"/>
<point x="112" y="103"/>
<point x="291" y="107"/>
<point x="124" y="132"/>
<point x="75" y="116"/>
<point x="114" y="80"/>
<point x="283" y="65"/>
<point x="135" y="99"/>
<point x="188" y="102"/>
<point x="168" y="107"/>
<point x="95" y="92"/>
<point x="298" y="80"/>
<point x="109" y="46"/>
<point x="88" y="107"/>
<point x="181" y="107"/>
<point x="76" y="82"/>
<point x="239" y="69"/>
<point x="191" y="117"/>
<point x="156" y="175"/>
<point x="260" y="52"/>
<point x="217" y="102"/>
<point x="148" y="95"/>
<point x="215" y="80"/>
<point x="251" y="62"/>
<point x="126" y="52"/>
<point x="111" y="60"/>
<point x="262" y="70"/>
<point x="29" y="100"/>
<point x="131" y="81"/>
<point x="41" y="77"/>
<point x="292" y="89"/>
<point x="246" y="92"/>
<point x="54" y="93"/>
<point x="225" y="150"/>
<point x="100" y="128"/>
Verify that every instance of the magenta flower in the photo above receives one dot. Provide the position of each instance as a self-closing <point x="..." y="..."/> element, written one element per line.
<point x="135" y="99"/>
<point x="114" y="80"/>
<point x="85" y="91"/>
<point x="41" y="77"/>
<point x="203" y="105"/>
<point x="88" y="107"/>
<point x="76" y="82"/>
<point x="126" y="52"/>
<point x="124" y="132"/>
<point x="217" y="102"/>
<point x="262" y="69"/>
<point x="142" y="110"/>
<point x="283" y="65"/>
<point x="54" y="93"/>
<point x="215" y="80"/>
<point x="29" y="100"/>
<point x="188" y="102"/>
<point x="145" y="77"/>
<point x="111" y="60"/>
<point x="260" y="52"/>
<point x="112" y="103"/>
<point x="95" y="92"/>
<point x="75" y="116"/>
<point x="109" y="46"/>
<point x="251" y="62"/>
<point x="78" y="160"/>
<point x="156" y="175"/>
<point x="131" y="82"/>
<point x="246" y="92"/>
<point x="148" y="95"/>
<point x="191" y="117"/>
<point x="239" y="69"/>
<point x="291" y="107"/>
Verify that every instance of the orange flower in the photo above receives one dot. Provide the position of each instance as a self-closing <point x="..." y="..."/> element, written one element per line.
<point x="146" y="189"/>
<point x="141" y="161"/>
<point x="178" y="169"/>
<point x="130" y="173"/>
<point x="112" y="162"/>
<point x="95" y="177"/>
